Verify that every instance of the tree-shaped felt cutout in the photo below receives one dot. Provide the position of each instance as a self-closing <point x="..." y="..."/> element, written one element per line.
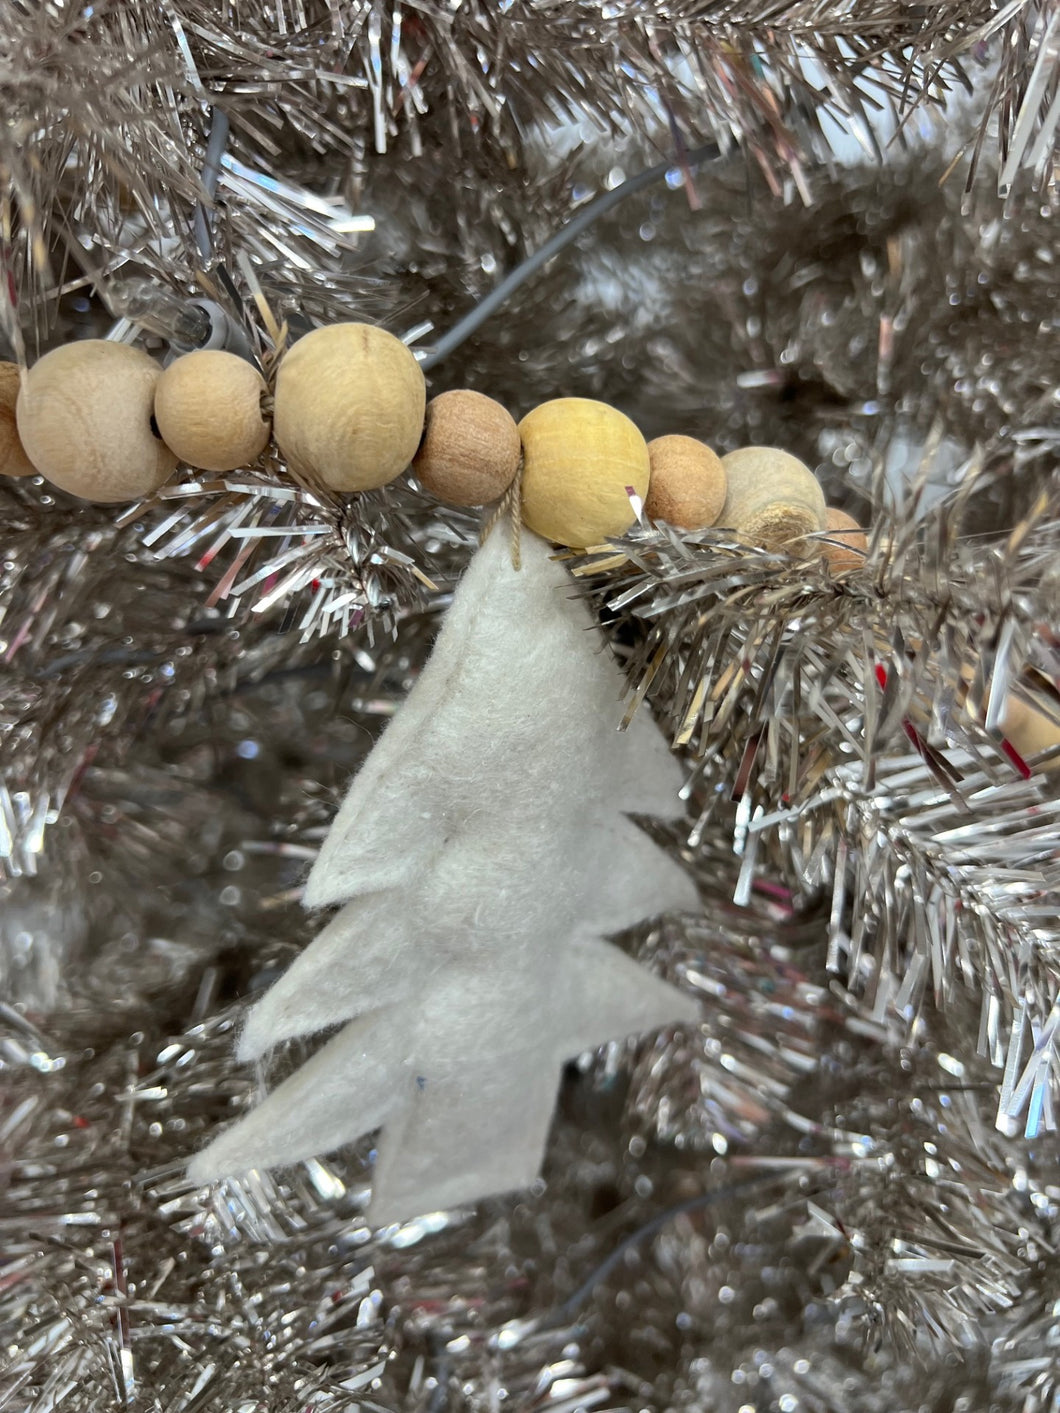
<point x="481" y="856"/>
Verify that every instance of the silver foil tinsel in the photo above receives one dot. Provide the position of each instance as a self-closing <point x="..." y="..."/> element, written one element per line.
<point x="839" y="1194"/>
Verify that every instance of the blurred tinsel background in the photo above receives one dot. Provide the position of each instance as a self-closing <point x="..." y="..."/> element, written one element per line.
<point x="841" y="1192"/>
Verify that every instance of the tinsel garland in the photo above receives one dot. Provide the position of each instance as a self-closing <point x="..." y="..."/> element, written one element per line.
<point x="839" y="1195"/>
<point x="108" y="108"/>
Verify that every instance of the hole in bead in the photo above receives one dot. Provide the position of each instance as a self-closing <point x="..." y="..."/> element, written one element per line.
<point x="154" y="428"/>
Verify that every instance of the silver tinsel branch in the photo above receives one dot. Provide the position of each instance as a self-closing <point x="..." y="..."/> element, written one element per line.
<point x="105" y="160"/>
<point x="838" y="1193"/>
<point x="840" y="729"/>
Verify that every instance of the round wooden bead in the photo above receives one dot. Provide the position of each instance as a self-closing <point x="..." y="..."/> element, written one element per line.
<point x="579" y="457"/>
<point x="1029" y="730"/>
<point x="772" y="499"/>
<point x="13" y="458"/>
<point x="470" y="449"/>
<point x="84" y="415"/>
<point x="1022" y="724"/>
<point x="846" y="544"/>
<point x="688" y="483"/>
<point x="208" y="410"/>
<point x="349" y="406"/>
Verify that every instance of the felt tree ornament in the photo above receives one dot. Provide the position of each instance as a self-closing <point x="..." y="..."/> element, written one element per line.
<point x="483" y="854"/>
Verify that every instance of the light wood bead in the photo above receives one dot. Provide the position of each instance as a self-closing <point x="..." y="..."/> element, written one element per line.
<point x="579" y="456"/>
<point x="349" y="406"/>
<point x="208" y="410"/>
<point x="470" y="449"/>
<point x="847" y="542"/>
<point x="84" y="415"/>
<point x="13" y="458"/>
<point x="1029" y="730"/>
<point x="1021" y="724"/>
<point x="688" y="483"/>
<point x="772" y="499"/>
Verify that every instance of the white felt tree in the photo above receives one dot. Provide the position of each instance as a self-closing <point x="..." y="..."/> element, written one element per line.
<point x="481" y="856"/>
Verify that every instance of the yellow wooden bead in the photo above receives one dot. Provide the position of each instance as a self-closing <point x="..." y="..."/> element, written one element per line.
<point x="772" y="499"/>
<point x="349" y="406"/>
<point x="208" y="410"/>
<point x="688" y="483"/>
<point x="470" y="449"/>
<point x="579" y="457"/>
<point x="1029" y="730"/>
<point x="13" y="458"/>
<point x="1023" y="725"/>
<point x="84" y="415"/>
<point x="847" y="543"/>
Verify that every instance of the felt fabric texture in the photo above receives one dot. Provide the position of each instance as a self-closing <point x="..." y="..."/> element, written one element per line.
<point x="481" y="855"/>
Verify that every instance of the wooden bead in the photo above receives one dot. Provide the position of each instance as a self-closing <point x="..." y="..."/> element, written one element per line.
<point x="688" y="483"/>
<point x="470" y="449"/>
<point x="13" y="458"/>
<point x="208" y="410"/>
<point x="847" y="543"/>
<point x="84" y="415"/>
<point x="579" y="457"/>
<point x="1023" y="725"/>
<point x="349" y="406"/>
<point x="772" y="499"/>
<point x="1029" y="730"/>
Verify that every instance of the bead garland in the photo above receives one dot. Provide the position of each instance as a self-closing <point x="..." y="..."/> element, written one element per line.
<point x="102" y="421"/>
